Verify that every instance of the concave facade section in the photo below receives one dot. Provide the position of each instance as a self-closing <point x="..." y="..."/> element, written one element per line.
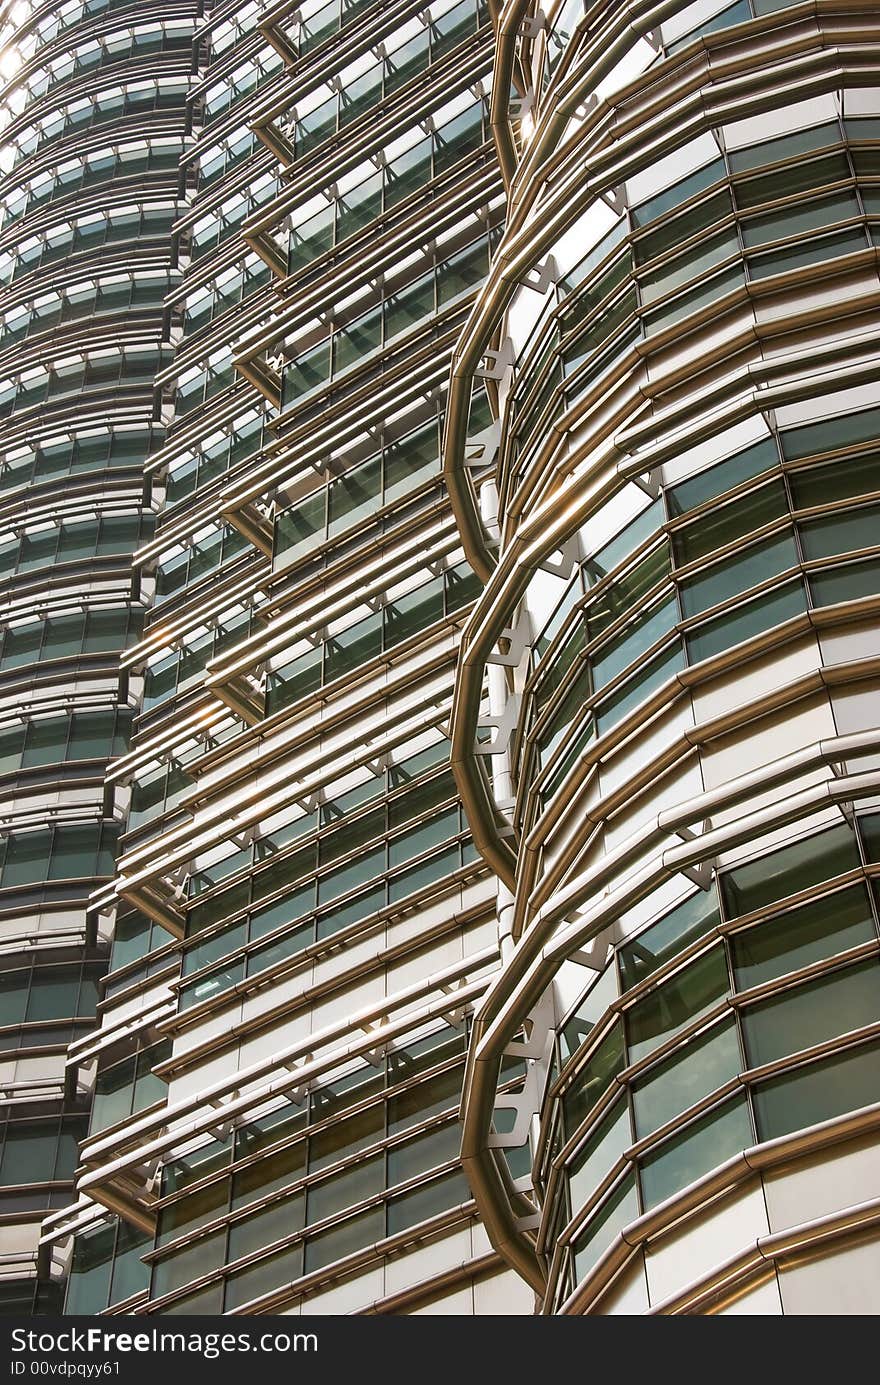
<point x="302" y="924"/>
<point x="94" y="119"/>
<point x="674" y="770"/>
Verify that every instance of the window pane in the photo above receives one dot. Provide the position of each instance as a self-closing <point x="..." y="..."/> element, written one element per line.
<point x="269" y="1174"/>
<point x="617" y="1210"/>
<point x="698" y="1149"/>
<point x="13" y="995"/>
<point x="187" y="1264"/>
<point x="73" y="853"/>
<point x="261" y="1278"/>
<point x="736" y="574"/>
<point x="113" y="1094"/>
<point x="339" y="1241"/>
<point x="841" y="532"/>
<point x="809" y="1014"/>
<point x="645" y="681"/>
<point x="671" y="934"/>
<point x="346" y="1137"/>
<point x="820" y="485"/>
<point x="746" y="621"/>
<point x="27" y="858"/>
<point x="715" y="481"/>
<point x="599" y="1155"/>
<point x="207" y="1301"/>
<point x="428" y="1201"/>
<point x="358" y="872"/>
<point x="685" y="1078"/>
<point x="803" y="936"/>
<point x="90" y="735"/>
<point x="850" y="582"/>
<point x="676" y="1003"/>
<point x="818" y="1092"/>
<point x="193" y="1211"/>
<point x="130" y="1274"/>
<point x="89" y="1287"/>
<point x="45" y="742"/>
<point x="269" y="1224"/>
<point x="831" y="434"/>
<point x="281" y="949"/>
<point x="794" y="868"/>
<point x="29" y="1152"/>
<point x="424" y="1152"/>
<point x="351" y="648"/>
<point x="593" y="1079"/>
<point x="632" y="643"/>
<point x="411" y="613"/>
<point x="355" y="495"/>
<point x="424" y="1099"/>
<point x="345" y="1189"/>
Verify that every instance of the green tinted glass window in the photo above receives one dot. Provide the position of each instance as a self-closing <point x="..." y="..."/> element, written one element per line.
<point x="425" y="1201"/>
<point x="841" y="532"/>
<point x="818" y="1092"/>
<point x="830" y="434"/>
<point x="269" y="1224"/>
<point x="425" y="1099"/>
<point x="272" y="1272"/>
<point x="699" y="1148"/>
<point x="194" y="1210"/>
<point x="89" y="1288"/>
<point x="600" y="1153"/>
<point x="680" y="1000"/>
<point x="785" y="872"/>
<point x="736" y="520"/>
<point x="670" y="935"/>
<point x="620" y="1208"/>
<point x="752" y="618"/>
<point x="839" y="480"/>
<point x="648" y="678"/>
<point x="726" y="579"/>
<point x="346" y="1137"/>
<point x="804" y="935"/>
<point x="849" y="582"/>
<point x="593" y="1079"/>
<point x="685" y="1078"/>
<point x="339" y="1241"/>
<point x="810" y="1013"/>
<point x="188" y="1263"/>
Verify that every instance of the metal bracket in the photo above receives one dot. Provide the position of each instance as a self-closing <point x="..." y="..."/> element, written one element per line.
<point x="529" y="1223"/>
<point x="700" y="874"/>
<point x="649" y="482"/>
<point x="518" y="107"/>
<point x="533" y="25"/>
<point x="496" y="362"/>
<point x="538" y="1050"/>
<point x="594" y="955"/>
<point x="482" y="449"/>
<point x="583" y="109"/>
<point x="615" y="199"/>
<point x="503" y="726"/>
<point x="569" y="558"/>
<point x="377" y="764"/>
<point x="518" y="637"/>
<point x="542" y="276"/>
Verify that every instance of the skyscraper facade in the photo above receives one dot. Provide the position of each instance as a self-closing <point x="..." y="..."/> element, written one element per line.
<point x="678" y="635"/>
<point x="444" y="849"/>
<point x="93" y="112"/>
<point x="300" y="920"/>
